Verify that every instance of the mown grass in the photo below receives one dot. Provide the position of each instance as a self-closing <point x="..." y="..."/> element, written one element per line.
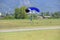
<point x="31" y="35"/>
<point x="23" y="23"/>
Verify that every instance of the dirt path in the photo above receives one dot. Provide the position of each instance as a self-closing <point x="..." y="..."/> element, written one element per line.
<point x="29" y="29"/>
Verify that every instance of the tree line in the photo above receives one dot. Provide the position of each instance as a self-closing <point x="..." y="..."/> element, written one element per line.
<point x="20" y="13"/>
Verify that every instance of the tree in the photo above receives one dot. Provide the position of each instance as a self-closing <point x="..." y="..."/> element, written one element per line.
<point x="23" y="14"/>
<point x="56" y="15"/>
<point x="20" y="13"/>
<point x="17" y="12"/>
<point x="47" y="14"/>
<point x="42" y="14"/>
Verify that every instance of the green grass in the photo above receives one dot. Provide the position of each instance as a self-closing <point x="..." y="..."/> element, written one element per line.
<point x="27" y="23"/>
<point x="31" y="35"/>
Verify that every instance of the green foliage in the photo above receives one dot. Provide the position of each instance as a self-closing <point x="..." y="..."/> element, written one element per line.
<point x="56" y="15"/>
<point x="8" y="17"/>
<point x="47" y="14"/>
<point x="16" y="13"/>
<point x="20" y="13"/>
<point x="34" y="16"/>
<point x="42" y="14"/>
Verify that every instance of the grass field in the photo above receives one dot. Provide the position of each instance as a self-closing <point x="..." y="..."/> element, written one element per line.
<point x="31" y="35"/>
<point x="4" y="24"/>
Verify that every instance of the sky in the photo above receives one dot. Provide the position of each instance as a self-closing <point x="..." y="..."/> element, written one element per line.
<point x="43" y="5"/>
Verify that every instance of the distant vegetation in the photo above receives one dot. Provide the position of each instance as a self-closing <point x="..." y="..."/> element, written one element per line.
<point x="20" y="13"/>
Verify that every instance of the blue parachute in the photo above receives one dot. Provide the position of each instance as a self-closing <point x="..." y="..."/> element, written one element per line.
<point x="34" y="8"/>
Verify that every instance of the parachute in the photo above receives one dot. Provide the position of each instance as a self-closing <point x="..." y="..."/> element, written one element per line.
<point x="32" y="9"/>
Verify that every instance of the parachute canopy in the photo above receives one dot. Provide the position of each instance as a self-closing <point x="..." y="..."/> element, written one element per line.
<point x="30" y="9"/>
<point x="34" y="8"/>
